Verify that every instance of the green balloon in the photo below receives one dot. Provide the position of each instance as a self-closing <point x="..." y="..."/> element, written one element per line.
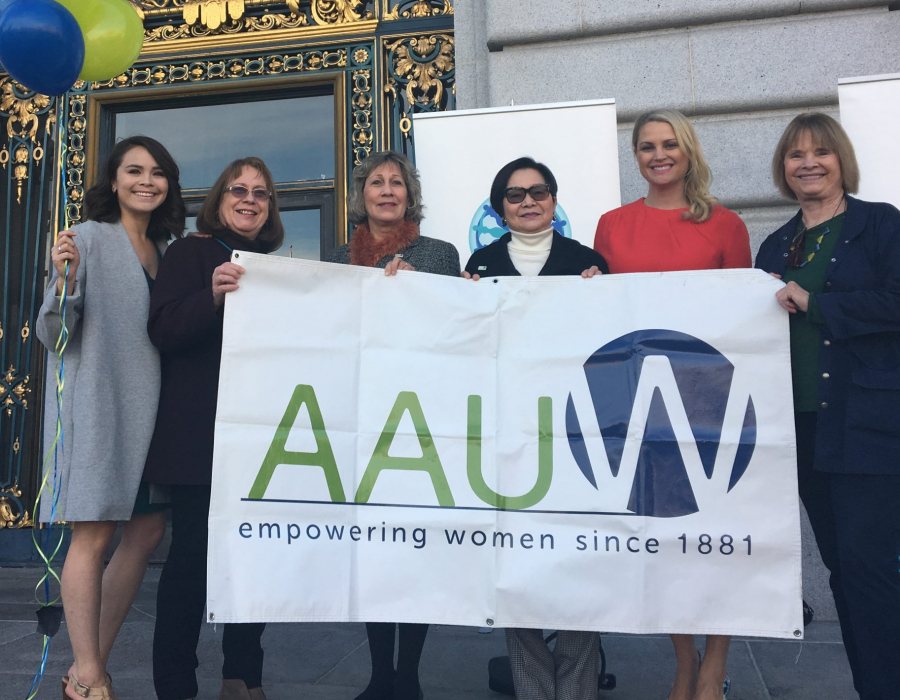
<point x="113" y="36"/>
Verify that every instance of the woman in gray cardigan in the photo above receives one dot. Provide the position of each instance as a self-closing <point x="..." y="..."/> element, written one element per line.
<point x="110" y="395"/>
<point x="385" y="204"/>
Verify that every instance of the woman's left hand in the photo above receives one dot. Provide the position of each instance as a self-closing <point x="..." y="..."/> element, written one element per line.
<point x="225" y="278"/>
<point x="590" y="272"/>
<point x="793" y="298"/>
<point x="397" y="263"/>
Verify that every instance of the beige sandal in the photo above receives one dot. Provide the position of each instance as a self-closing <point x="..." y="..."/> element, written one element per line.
<point x="104" y="692"/>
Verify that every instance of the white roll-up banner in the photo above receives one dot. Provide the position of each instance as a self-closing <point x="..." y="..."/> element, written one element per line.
<point x="869" y="114"/>
<point x="458" y="154"/>
<point x="607" y="454"/>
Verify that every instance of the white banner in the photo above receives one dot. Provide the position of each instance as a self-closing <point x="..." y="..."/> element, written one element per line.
<point x="613" y="454"/>
<point x="869" y="108"/>
<point x="459" y="153"/>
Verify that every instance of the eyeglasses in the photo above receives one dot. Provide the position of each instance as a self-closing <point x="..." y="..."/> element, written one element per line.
<point x="538" y="193"/>
<point x="240" y="192"/>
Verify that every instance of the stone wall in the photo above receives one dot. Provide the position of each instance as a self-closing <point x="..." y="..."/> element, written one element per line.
<point x="742" y="69"/>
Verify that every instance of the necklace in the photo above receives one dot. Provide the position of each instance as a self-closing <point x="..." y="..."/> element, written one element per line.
<point x="223" y="244"/>
<point x="796" y="258"/>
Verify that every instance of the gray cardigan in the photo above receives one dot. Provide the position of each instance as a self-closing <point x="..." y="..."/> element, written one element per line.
<point x="424" y="253"/>
<point x="111" y="379"/>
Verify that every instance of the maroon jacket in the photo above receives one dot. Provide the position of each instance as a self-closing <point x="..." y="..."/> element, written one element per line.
<point x="186" y="327"/>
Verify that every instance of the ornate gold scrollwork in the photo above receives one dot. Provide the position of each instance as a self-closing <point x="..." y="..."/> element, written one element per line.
<point x="21" y="107"/>
<point x="1" y="331"/>
<point x="20" y="172"/>
<point x="22" y="111"/>
<point x="362" y="115"/>
<point x="76" y="125"/>
<point x="8" y="507"/>
<point x="422" y="63"/>
<point x="230" y="68"/>
<point x="212" y="13"/>
<point x="415" y="9"/>
<point x="13" y="390"/>
<point x="339" y="11"/>
<point x="26" y="331"/>
<point x="270" y="20"/>
<point x="202" y="18"/>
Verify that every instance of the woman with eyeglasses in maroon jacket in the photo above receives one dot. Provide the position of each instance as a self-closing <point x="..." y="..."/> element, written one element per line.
<point x="185" y="324"/>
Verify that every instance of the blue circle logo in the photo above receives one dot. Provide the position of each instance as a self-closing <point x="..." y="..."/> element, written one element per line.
<point x="703" y="376"/>
<point x="487" y="226"/>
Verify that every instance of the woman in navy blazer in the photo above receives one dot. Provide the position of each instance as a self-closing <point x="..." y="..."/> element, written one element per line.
<point x="840" y="259"/>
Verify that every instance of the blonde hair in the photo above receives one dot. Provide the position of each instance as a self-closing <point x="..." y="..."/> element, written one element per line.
<point x="824" y="132"/>
<point x="699" y="176"/>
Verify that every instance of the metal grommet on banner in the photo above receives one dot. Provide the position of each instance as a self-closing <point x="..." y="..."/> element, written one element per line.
<point x="237" y="255"/>
<point x="798" y="633"/>
<point x="489" y="622"/>
<point x="496" y="280"/>
<point x="212" y="617"/>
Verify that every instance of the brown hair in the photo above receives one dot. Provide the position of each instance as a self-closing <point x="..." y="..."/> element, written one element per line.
<point x="824" y="132"/>
<point x="272" y="232"/>
<point x="699" y="176"/>
<point x="356" y="203"/>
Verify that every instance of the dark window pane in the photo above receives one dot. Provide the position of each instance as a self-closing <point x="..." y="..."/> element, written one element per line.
<point x="302" y="234"/>
<point x="295" y="137"/>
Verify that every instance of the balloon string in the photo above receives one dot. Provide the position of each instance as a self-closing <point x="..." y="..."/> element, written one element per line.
<point x="52" y="485"/>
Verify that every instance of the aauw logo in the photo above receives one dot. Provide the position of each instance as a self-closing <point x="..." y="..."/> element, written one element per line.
<point x="661" y="403"/>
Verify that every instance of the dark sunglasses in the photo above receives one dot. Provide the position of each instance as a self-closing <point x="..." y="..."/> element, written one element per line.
<point x="240" y="192"/>
<point x="538" y="193"/>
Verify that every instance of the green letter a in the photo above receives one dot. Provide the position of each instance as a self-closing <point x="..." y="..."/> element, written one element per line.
<point x="545" y="459"/>
<point x="429" y="462"/>
<point x="323" y="457"/>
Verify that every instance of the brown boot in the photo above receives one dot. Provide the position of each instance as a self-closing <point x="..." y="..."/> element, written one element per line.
<point x="233" y="689"/>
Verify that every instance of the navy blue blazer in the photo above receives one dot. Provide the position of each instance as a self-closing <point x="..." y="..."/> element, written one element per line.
<point x="858" y="423"/>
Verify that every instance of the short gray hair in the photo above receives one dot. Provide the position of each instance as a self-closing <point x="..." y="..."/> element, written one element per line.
<point x="356" y="204"/>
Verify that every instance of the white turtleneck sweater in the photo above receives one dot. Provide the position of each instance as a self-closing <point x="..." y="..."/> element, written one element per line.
<point x="529" y="251"/>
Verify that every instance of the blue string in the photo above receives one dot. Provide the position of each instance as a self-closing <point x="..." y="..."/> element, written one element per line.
<point x="58" y="444"/>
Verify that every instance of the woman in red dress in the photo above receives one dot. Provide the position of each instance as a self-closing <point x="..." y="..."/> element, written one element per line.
<point x="679" y="225"/>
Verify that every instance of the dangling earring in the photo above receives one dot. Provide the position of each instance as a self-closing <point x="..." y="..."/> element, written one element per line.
<point x="114" y="189"/>
<point x="503" y="220"/>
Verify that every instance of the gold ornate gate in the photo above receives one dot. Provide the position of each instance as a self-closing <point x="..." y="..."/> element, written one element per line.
<point x="381" y="60"/>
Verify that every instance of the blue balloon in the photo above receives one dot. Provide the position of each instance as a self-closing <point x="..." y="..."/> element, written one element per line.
<point x="41" y="45"/>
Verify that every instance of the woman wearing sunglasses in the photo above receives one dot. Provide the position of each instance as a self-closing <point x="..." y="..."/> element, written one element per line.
<point x="678" y="226"/>
<point x="186" y="315"/>
<point x="524" y="194"/>
<point x="840" y="259"/>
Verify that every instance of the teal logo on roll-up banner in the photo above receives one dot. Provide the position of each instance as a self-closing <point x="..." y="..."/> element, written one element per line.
<point x="487" y="226"/>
